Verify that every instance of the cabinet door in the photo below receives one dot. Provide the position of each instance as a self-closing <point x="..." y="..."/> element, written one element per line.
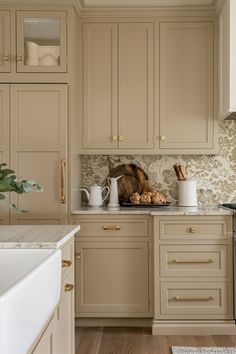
<point x="38" y="150"/>
<point x="112" y="279"/>
<point x="5" y="41"/>
<point x="45" y="345"/>
<point x="41" y="41"/>
<point x="4" y="146"/>
<point x="186" y="87"/>
<point x="136" y="85"/>
<point x="65" y="318"/>
<point x="100" y="85"/>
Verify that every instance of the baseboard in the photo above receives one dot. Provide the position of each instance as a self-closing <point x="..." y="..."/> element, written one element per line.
<point x="113" y="322"/>
<point x="193" y="328"/>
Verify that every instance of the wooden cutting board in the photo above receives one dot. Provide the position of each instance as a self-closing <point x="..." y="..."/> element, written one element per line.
<point x="134" y="180"/>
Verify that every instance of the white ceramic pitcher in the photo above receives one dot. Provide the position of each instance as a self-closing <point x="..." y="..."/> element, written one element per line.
<point x="95" y="198"/>
<point x="114" y="198"/>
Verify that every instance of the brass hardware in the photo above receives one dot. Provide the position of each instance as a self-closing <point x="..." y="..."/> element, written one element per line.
<point x="114" y="137"/>
<point x="192" y="230"/>
<point x="19" y="59"/>
<point x="66" y="263"/>
<point x="121" y="138"/>
<point x="163" y="137"/>
<point x="111" y="227"/>
<point x="179" y="298"/>
<point x="77" y="255"/>
<point x="63" y="184"/>
<point x="177" y="260"/>
<point x="68" y="287"/>
<point x="6" y="58"/>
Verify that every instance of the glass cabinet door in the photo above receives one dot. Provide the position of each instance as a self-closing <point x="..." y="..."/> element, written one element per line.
<point x="41" y="41"/>
<point x="5" y="57"/>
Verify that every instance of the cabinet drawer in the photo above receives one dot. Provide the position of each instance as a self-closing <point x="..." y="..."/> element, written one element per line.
<point x="189" y="261"/>
<point x="194" y="299"/>
<point x="114" y="226"/>
<point x="67" y="257"/>
<point x="194" y="228"/>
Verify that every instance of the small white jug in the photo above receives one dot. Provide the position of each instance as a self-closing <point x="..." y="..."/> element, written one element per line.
<point x="95" y="199"/>
<point x="114" y="199"/>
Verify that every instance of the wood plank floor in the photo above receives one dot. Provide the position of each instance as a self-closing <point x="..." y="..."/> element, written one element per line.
<point x="117" y="340"/>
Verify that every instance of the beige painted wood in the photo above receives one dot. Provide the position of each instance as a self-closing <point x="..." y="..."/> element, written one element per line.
<point x="113" y="226"/>
<point x="197" y="300"/>
<point x="62" y="16"/>
<point x="112" y="279"/>
<point x="5" y="51"/>
<point x="135" y="85"/>
<point x="67" y="257"/>
<point x="45" y="344"/>
<point x="187" y="87"/>
<point x="64" y="342"/>
<point x="193" y="228"/>
<point x="38" y="145"/>
<point x="4" y="145"/>
<point x="100" y="85"/>
<point x="198" y="261"/>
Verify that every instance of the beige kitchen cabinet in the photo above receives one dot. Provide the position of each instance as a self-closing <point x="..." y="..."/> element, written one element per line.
<point x="117" y="87"/>
<point x="4" y="146"/>
<point x="33" y="41"/>
<point x="5" y="41"/>
<point x="45" y="344"/>
<point x="187" y="78"/>
<point x="113" y="267"/>
<point x="37" y="114"/>
<point x="193" y="274"/>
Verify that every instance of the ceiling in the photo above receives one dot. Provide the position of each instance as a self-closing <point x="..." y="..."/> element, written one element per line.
<point x="144" y="3"/>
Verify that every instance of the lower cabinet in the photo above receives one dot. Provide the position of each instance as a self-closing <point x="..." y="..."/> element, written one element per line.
<point x="46" y="342"/>
<point x="112" y="267"/>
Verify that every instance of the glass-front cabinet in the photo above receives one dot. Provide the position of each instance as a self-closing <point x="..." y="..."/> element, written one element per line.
<point x="41" y="41"/>
<point x="5" y="59"/>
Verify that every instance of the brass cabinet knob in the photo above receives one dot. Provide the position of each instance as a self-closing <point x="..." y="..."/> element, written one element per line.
<point x="6" y="58"/>
<point x="121" y="138"/>
<point x="163" y="137"/>
<point x="192" y="230"/>
<point x="66" y="263"/>
<point x="114" y="137"/>
<point x="68" y="287"/>
<point x="77" y="255"/>
<point x="19" y="59"/>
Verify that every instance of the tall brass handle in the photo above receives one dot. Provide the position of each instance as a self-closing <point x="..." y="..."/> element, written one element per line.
<point x="63" y="181"/>
<point x="68" y="287"/>
<point x="66" y="263"/>
<point x="180" y="298"/>
<point x="177" y="260"/>
<point x="111" y="227"/>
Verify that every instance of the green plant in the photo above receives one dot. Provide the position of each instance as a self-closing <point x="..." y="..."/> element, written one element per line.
<point x="9" y="182"/>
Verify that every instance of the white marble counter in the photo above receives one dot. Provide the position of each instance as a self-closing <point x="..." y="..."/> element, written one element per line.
<point x="170" y="210"/>
<point x="36" y="236"/>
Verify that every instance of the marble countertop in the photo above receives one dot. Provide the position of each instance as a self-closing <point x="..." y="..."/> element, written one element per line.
<point x="36" y="236"/>
<point x="170" y="210"/>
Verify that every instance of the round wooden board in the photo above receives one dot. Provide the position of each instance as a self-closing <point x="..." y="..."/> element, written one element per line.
<point x="134" y="180"/>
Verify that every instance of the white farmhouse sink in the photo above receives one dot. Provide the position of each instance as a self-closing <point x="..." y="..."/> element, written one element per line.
<point x="30" y="284"/>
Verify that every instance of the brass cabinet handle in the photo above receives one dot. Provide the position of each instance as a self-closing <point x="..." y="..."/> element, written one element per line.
<point x="111" y="227"/>
<point x="121" y="138"/>
<point x="178" y="261"/>
<point x="19" y="59"/>
<point x="114" y="137"/>
<point x="77" y="255"/>
<point x="180" y="298"/>
<point x="63" y="182"/>
<point x="163" y="137"/>
<point x="192" y="230"/>
<point x="66" y="263"/>
<point x="68" y="287"/>
<point x="6" y="58"/>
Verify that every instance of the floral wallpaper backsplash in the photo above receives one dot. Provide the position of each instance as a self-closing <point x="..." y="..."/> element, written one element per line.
<point x="215" y="175"/>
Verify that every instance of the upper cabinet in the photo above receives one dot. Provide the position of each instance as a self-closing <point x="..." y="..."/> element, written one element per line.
<point x="33" y="41"/>
<point x="118" y="87"/>
<point x="187" y="121"/>
<point x="227" y="60"/>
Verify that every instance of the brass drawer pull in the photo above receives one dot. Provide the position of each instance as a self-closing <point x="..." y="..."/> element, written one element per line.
<point x="177" y="260"/>
<point x="68" y="287"/>
<point x="179" y="298"/>
<point x="192" y="230"/>
<point x="66" y="263"/>
<point x="111" y="227"/>
<point x="77" y="255"/>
